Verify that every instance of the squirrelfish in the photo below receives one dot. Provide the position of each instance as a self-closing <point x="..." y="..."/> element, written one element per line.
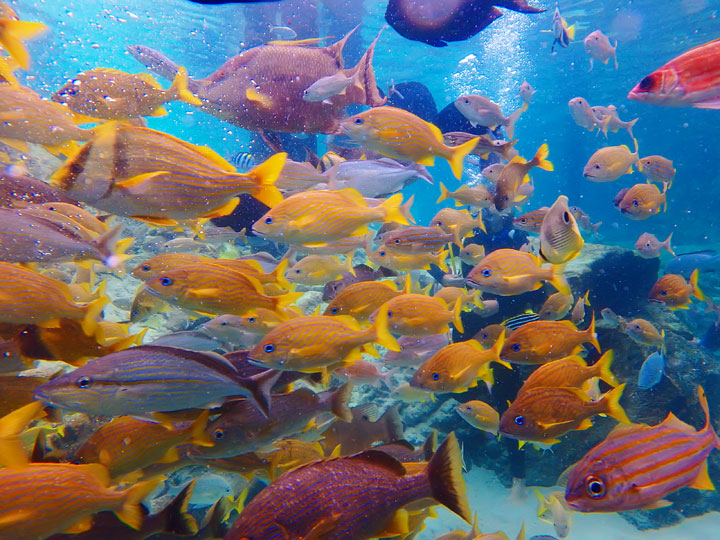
<point x="649" y="246"/>
<point x="318" y="269"/>
<point x="658" y="169"/>
<point x="115" y="95"/>
<point x="542" y="414"/>
<point x="689" y="80"/>
<point x="401" y="135"/>
<point x="531" y="221"/>
<point x="541" y="341"/>
<point x="419" y="315"/>
<point x="643" y="200"/>
<point x="610" y="163"/>
<point x="560" y="238"/>
<point x="159" y="178"/>
<point x="482" y="111"/>
<point x="352" y="497"/>
<point x="508" y="272"/>
<point x="511" y="183"/>
<point x="479" y="415"/>
<point x="556" y="307"/>
<point x="637" y="465"/>
<point x="571" y="371"/>
<point x="360" y="300"/>
<point x="317" y="343"/>
<point x="598" y="47"/>
<point x="477" y="196"/>
<point x="673" y="291"/>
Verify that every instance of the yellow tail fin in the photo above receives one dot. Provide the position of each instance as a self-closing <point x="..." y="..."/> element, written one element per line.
<point x="591" y="335"/>
<point x="92" y="314"/>
<point x="393" y="210"/>
<point x="197" y="430"/>
<point x="512" y="119"/>
<point x="457" y="315"/>
<point x="444" y="193"/>
<point x="265" y="176"/>
<point x="458" y="154"/>
<point x="603" y="368"/>
<point x="130" y="512"/>
<point x="540" y="158"/>
<point x="279" y="274"/>
<point x="13" y="33"/>
<point x="695" y="287"/>
<point x="612" y="404"/>
<point x="179" y="88"/>
<point x="558" y="279"/>
<point x="383" y="336"/>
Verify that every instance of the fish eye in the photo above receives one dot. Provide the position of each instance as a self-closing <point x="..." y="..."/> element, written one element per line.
<point x="485" y="336"/>
<point x="597" y="165"/>
<point x="523" y="220"/>
<point x="647" y="244"/>
<point x="647" y="83"/>
<point x="358" y="121"/>
<point x="516" y="347"/>
<point x="486" y="272"/>
<point x="466" y="100"/>
<point x="382" y="253"/>
<point x="334" y="310"/>
<point x="223" y="323"/>
<point x="663" y="293"/>
<point x="435" y="376"/>
<point x="566" y="217"/>
<point x="468" y="408"/>
<point x="269" y="348"/>
<point x="637" y="327"/>
<point x="166" y="281"/>
<point x="268" y="220"/>
<point x="218" y="434"/>
<point x="397" y="241"/>
<point x="505" y="198"/>
<point x="145" y="268"/>
<point x="251" y="319"/>
<point x="297" y="271"/>
<point x="594" y="487"/>
<point x="636" y="203"/>
<point x="389" y="313"/>
<point x="520" y="420"/>
<point x="439" y="223"/>
<point x="83" y="382"/>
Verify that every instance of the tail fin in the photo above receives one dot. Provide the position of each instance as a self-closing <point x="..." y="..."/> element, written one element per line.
<point x="393" y="424"/>
<point x="430" y="445"/>
<point x="177" y="520"/>
<point x="457" y="315"/>
<point x="405" y="209"/>
<point x="339" y="402"/>
<point x="265" y="176"/>
<point x="130" y="513"/>
<point x="570" y="30"/>
<point x="540" y="159"/>
<point x="446" y="478"/>
<point x="543" y="504"/>
<point x="479" y="223"/>
<point x="558" y="279"/>
<point x="496" y="349"/>
<point x="603" y="368"/>
<point x="458" y="153"/>
<point x="108" y="246"/>
<point x="667" y="246"/>
<point x="179" y="88"/>
<point x="258" y="388"/>
<point x="595" y="226"/>
<point x="197" y="430"/>
<point x="393" y="210"/>
<point x="383" y="336"/>
<point x="586" y="299"/>
<point x="695" y="287"/>
<point x="12" y="424"/>
<point x="631" y="123"/>
<point x="364" y="88"/>
<point x="512" y="119"/>
<point x="612" y="404"/>
<point x="92" y="314"/>
<point x="444" y="193"/>
<point x="12" y="35"/>
<point x="704" y="406"/>
<point x="279" y="273"/>
<point x="591" y="335"/>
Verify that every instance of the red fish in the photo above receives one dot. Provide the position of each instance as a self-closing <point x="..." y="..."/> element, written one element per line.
<point x="690" y="80"/>
<point x="637" y="465"/>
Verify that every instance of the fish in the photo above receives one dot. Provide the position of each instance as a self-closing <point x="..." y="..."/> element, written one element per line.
<point x="364" y="372"/>
<point x="610" y="163"/>
<point x="318" y="269"/>
<point x="577" y="315"/>
<point x="598" y="47"/>
<point x="415" y="239"/>
<point x="531" y="221"/>
<point x="468" y="299"/>
<point x="643" y="332"/>
<point x="562" y="33"/>
<point x="325" y="88"/>
<point x="29" y="297"/>
<point x="482" y="111"/>
<point x="360" y="300"/>
<point x="13" y="32"/>
<point x="516" y="321"/>
<point x="366" y="428"/>
<point x="399" y="134"/>
<point x="19" y="189"/>
<point x="584" y="115"/>
<point x="471" y="254"/>
<point x="508" y="272"/>
<point x="419" y="315"/>
<point x="672" y="291"/>
<point x="526" y="92"/>
<point x="115" y="95"/>
<point x="571" y="371"/>
<point x="610" y="121"/>
<point x="689" y="80"/>
<point x="127" y="444"/>
<point x="147" y="379"/>
<point x="486" y="144"/>
<point x="244" y="161"/>
<point x="477" y="196"/>
<point x="42" y="499"/>
<point x="391" y="484"/>
<point x="145" y="305"/>
<point x="315" y="343"/>
<point x="245" y="330"/>
<point x="458" y="366"/>
<point x="637" y="465"/>
<point x="643" y="200"/>
<point x="543" y="414"/>
<point x="488" y="335"/>
<point x="401" y="261"/>
<point x="684" y="263"/>
<point x="556" y="307"/>
<point x="12" y="426"/>
<point x="188" y="339"/>
<point x="658" y="169"/>
<point x="301" y="175"/>
<point x="651" y="371"/>
<point x="318" y="217"/>
<point x="554" y="510"/>
<point x="541" y="341"/>
<point x="415" y="350"/>
<point x="514" y="176"/>
<point x="377" y="177"/>
<point x="241" y="428"/>
<point x="584" y="221"/>
<point x="459" y="223"/>
<point x="492" y="172"/>
<point x="560" y="238"/>
<point x="479" y="415"/>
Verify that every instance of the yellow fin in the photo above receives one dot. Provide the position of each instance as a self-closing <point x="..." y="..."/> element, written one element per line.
<point x="261" y="100"/>
<point x="702" y="480"/>
<point x="81" y="525"/>
<point x="139" y="179"/>
<point x="160" y="111"/>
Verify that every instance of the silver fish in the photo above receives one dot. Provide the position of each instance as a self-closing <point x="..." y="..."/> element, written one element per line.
<point x="377" y="177"/>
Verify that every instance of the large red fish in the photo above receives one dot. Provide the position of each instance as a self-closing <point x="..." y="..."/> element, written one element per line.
<point x="637" y="465"/>
<point x="690" y="80"/>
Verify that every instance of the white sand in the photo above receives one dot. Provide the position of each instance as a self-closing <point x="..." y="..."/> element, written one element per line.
<point x="496" y="512"/>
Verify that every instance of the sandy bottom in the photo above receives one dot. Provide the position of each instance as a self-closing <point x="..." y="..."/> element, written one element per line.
<point x="496" y="511"/>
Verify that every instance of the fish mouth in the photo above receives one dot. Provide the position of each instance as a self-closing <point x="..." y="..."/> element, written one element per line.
<point x="588" y="175"/>
<point x="472" y="283"/>
<point x="258" y="363"/>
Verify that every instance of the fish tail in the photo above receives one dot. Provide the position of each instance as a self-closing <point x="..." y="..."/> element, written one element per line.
<point x="340" y="400"/>
<point x="197" y="430"/>
<point x="12" y="453"/>
<point x="457" y="315"/>
<point x="13" y="33"/>
<point x="405" y="209"/>
<point x="112" y="250"/>
<point x="629" y="125"/>
<point x="540" y="159"/>
<point x="392" y="211"/>
<point x="444" y="193"/>
<point x="497" y="349"/>
<point x="265" y="176"/>
<point x="258" y="387"/>
<point x="349" y="268"/>
<point x="702" y="399"/>
<point x="603" y="368"/>
<point x="279" y="274"/>
<point x="457" y="155"/>
<point x="179" y="88"/>
<point x="447" y="484"/>
<point x="664" y="195"/>
<point x="611" y="402"/>
<point x="557" y="279"/>
<point x="595" y="227"/>
<point x="441" y="262"/>
<point x="383" y="337"/>
<point x="92" y="313"/>
<point x="130" y="512"/>
<point x="586" y="299"/>
<point x="591" y="335"/>
<point x="286" y="300"/>
<point x="542" y="503"/>
<point x="667" y="246"/>
<point x="512" y="119"/>
<point x="177" y="520"/>
<point x="570" y="31"/>
<point x="696" y="287"/>
<point x="479" y="223"/>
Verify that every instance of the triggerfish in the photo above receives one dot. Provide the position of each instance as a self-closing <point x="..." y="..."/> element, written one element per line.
<point x="356" y="497"/>
<point x="637" y="465"/>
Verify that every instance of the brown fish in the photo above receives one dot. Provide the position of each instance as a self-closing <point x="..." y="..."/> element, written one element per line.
<point x="508" y="190"/>
<point x="571" y="371"/>
<point x="364" y="430"/>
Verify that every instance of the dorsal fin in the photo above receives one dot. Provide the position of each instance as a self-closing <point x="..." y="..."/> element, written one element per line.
<point x="336" y="49"/>
<point x="673" y="422"/>
<point x="381" y="459"/>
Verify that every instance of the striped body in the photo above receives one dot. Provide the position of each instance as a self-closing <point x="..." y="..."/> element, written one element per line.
<point x="485" y="145"/>
<point x="508" y="272"/>
<point x="417" y="239"/>
<point x="142" y="380"/>
<point x="673" y="291"/>
<point x="300" y="176"/>
<point x="560" y="238"/>
<point x="642" y="201"/>
<point x="516" y="321"/>
<point x="417" y="315"/>
<point x="153" y="267"/>
<point x="477" y="196"/>
<point x="531" y="221"/>
<point x="140" y="172"/>
<point x="479" y="415"/>
<point x="342" y="246"/>
<point x="644" y="333"/>
<point x="538" y="342"/>
<point x="658" y="169"/>
<point x="690" y="80"/>
<point x="315" y="270"/>
<point x="403" y="261"/>
<point x="556" y="307"/>
<point x="360" y="300"/>
<point x="572" y="371"/>
<point x="458" y="222"/>
<point x="637" y="465"/>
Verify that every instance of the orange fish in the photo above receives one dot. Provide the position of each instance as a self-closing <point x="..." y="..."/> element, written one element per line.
<point x="674" y="292"/>
<point x="488" y="335"/>
<point x="402" y="261"/>
<point x="360" y="300"/>
<point x="643" y="332"/>
<point x="514" y="175"/>
<point x="531" y="221"/>
<point x="556" y="307"/>
<point x="458" y="222"/>
<point x="572" y="371"/>
<point x="419" y="315"/>
<point x="477" y="196"/>
<point x="642" y="201"/>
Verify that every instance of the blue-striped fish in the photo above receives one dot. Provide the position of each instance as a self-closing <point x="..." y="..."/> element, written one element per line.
<point x="417" y="239"/>
<point x="458" y="222"/>
<point x="317" y="217"/>
<point x="636" y="466"/>
<point x="315" y="343"/>
<point x="400" y="134"/>
<point x="146" y="174"/>
<point x="28" y="297"/>
<point x="147" y="379"/>
<point x="658" y="169"/>
<point x="516" y="321"/>
<point x="420" y="315"/>
<point x="403" y="261"/>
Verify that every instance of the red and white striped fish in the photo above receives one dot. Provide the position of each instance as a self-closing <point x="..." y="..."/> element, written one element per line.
<point x="637" y="465"/>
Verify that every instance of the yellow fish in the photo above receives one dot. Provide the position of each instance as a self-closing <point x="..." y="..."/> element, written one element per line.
<point x="479" y="415"/>
<point x="610" y="163"/>
<point x="457" y="222"/>
<point x="360" y="300"/>
<point x="402" y="261"/>
<point x="419" y="315"/>
<point x="159" y="178"/>
<point x="12" y="453"/>
<point x="560" y="238"/>
<point x="472" y="254"/>
<point x="556" y="307"/>
<point x="467" y="299"/>
<point x="319" y="269"/>
<point x="400" y="134"/>
<point x="514" y="177"/>
<point x="477" y="196"/>
<point x="14" y="31"/>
